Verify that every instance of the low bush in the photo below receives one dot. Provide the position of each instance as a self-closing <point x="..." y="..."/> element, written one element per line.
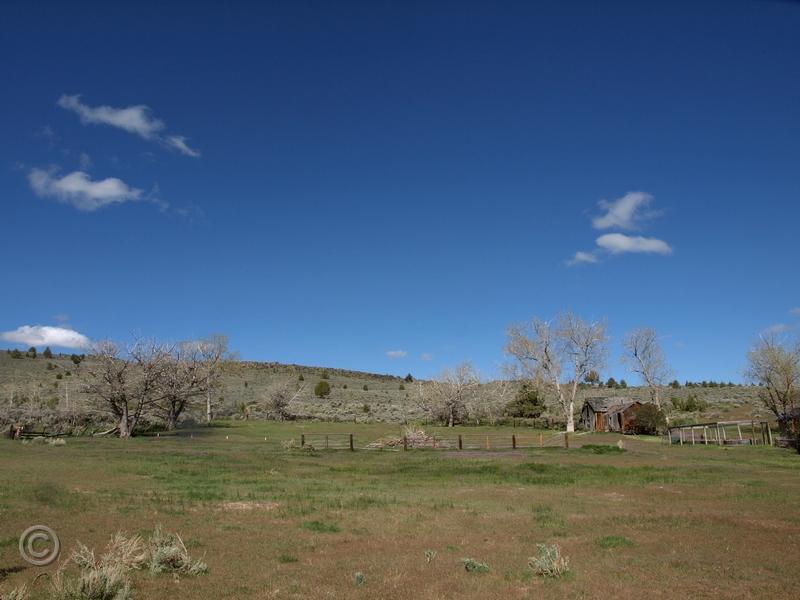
<point x="549" y="562"/>
<point x="648" y="420"/>
<point x="322" y="389"/>
<point x="473" y="566"/>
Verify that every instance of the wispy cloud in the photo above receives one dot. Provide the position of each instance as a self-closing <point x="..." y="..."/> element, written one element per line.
<point x="618" y="243"/>
<point x="80" y="191"/>
<point x="795" y="311"/>
<point x="393" y="354"/>
<point x="582" y="258"/>
<point x="628" y="212"/>
<point x="44" y="335"/>
<point x="426" y="356"/>
<point x="133" y="119"/>
<point x="85" y="161"/>
<point x="136" y="119"/>
<point x="179" y="143"/>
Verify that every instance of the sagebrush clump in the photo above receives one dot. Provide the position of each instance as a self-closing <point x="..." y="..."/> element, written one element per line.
<point x="549" y="562"/>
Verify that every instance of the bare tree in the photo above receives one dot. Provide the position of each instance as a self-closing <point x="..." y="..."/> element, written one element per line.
<point x="212" y="350"/>
<point x="127" y="386"/>
<point x="280" y="397"/>
<point x="449" y="394"/>
<point x="775" y="367"/>
<point x="643" y="356"/>
<point x="542" y="353"/>
<point x="488" y="402"/>
<point x="184" y="379"/>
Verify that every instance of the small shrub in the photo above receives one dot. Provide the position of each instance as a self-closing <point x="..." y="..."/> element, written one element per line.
<point x="16" y="353"/>
<point x="322" y="389"/>
<point x="549" y="562"/>
<point x="359" y="578"/>
<point x="365" y="388"/>
<point x="409" y="378"/>
<point x="325" y="375"/>
<point x="473" y="566"/>
<point x="344" y="386"/>
<point x="401" y="387"/>
<point x="321" y="527"/>
<point x="614" y="541"/>
<point x="430" y="555"/>
<point x="301" y="378"/>
<point x="287" y="558"/>
<point x="59" y="376"/>
<point x="648" y="420"/>
<point x="365" y="408"/>
<point x="108" y="582"/>
<point x="168" y="554"/>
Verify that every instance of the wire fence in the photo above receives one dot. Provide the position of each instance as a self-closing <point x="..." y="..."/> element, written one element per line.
<point x="448" y="441"/>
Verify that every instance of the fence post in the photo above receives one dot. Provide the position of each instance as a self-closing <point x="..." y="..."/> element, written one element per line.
<point x="405" y="442"/>
<point x="460" y="442"/>
<point x="302" y="439"/>
<point x="541" y="440"/>
<point x="326" y="441"/>
<point x="351" y="441"/>
<point x="566" y="440"/>
<point x="487" y="442"/>
<point x="513" y="442"/>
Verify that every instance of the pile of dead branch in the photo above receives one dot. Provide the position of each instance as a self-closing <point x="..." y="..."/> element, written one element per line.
<point x="411" y="438"/>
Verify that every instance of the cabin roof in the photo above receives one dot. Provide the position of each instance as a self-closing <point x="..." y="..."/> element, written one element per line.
<point x="610" y="403"/>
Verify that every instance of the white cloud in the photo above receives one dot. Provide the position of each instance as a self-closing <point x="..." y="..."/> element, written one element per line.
<point x="133" y="119"/>
<point x="618" y="243"/>
<point x="80" y="191"/>
<point x="624" y="213"/>
<point x="582" y="257"/>
<point x="179" y="143"/>
<point x="396" y="354"/>
<point x="85" y="161"/>
<point x="425" y="356"/>
<point x="43" y="335"/>
<point x="795" y="311"/>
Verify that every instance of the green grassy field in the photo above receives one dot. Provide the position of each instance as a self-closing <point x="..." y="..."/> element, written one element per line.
<point x="651" y="520"/>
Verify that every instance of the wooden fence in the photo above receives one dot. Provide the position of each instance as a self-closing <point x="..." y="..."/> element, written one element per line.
<point x="464" y="441"/>
<point x="723" y="433"/>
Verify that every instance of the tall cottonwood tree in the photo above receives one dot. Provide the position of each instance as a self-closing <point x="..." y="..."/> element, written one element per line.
<point x="558" y="356"/>
<point x="775" y="367"/>
<point x="127" y="386"/>
<point x="644" y="356"/>
<point x="212" y="351"/>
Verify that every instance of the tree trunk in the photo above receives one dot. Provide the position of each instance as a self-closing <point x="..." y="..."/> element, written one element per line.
<point x="124" y="424"/>
<point x="208" y="405"/>
<point x="172" y="419"/>
<point x="571" y="417"/>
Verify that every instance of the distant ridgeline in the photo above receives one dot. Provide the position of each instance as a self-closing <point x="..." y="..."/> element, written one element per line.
<point x="48" y="389"/>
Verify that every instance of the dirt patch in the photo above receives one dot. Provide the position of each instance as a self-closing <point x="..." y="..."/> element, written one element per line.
<point x="251" y="505"/>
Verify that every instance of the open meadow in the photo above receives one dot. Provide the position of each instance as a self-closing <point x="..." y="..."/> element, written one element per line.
<point x="711" y="522"/>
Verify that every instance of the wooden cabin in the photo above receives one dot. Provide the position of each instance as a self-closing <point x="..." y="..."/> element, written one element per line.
<point x="614" y="413"/>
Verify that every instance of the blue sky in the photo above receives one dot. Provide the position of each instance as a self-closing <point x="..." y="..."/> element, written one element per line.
<point x="329" y="182"/>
